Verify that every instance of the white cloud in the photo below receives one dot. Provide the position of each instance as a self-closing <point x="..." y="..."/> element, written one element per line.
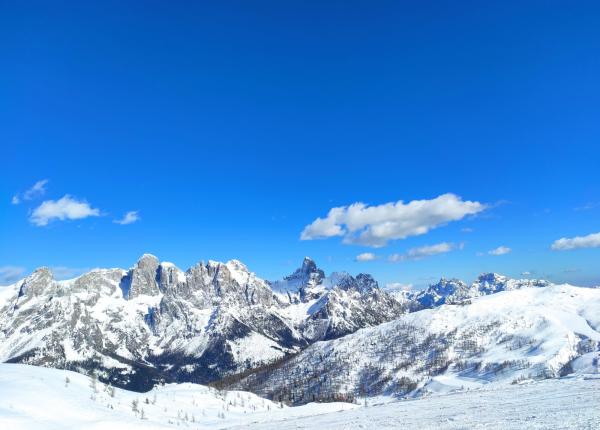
<point x="525" y="273"/>
<point x="366" y="256"/>
<point x="398" y="286"/>
<point x="589" y="241"/>
<point x="467" y="230"/>
<point x="37" y="190"/>
<point x="10" y="274"/>
<point x="376" y="225"/>
<point x="501" y="250"/>
<point x="63" y="209"/>
<point x="129" y="218"/>
<point x="61" y="272"/>
<point x="424" y="251"/>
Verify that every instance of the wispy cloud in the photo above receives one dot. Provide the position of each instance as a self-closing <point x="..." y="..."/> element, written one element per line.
<point x="11" y="274"/>
<point x="37" y="190"/>
<point x="129" y="218"/>
<point x="424" y="252"/>
<point x="66" y="208"/>
<point x="376" y="225"/>
<point x="62" y="272"/>
<point x="589" y="241"/>
<point x="366" y="256"/>
<point x="501" y="250"/>
<point x="587" y="206"/>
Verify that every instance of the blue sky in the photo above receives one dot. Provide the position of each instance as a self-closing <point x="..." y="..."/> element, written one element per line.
<point x="228" y="128"/>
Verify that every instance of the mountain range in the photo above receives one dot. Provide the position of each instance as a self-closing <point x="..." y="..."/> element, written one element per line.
<point x="303" y="338"/>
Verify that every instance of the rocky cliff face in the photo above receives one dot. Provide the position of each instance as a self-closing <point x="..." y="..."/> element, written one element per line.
<point x="155" y="322"/>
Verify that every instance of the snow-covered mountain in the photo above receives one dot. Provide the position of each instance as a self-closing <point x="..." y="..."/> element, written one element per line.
<point x="453" y="291"/>
<point x="155" y="322"/>
<point x="519" y="330"/>
<point x="306" y="337"/>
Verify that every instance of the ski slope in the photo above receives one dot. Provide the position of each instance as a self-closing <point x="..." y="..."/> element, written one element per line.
<point x="35" y="398"/>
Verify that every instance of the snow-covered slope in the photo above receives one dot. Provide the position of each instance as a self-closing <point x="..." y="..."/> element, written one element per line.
<point x="155" y="322"/>
<point x="36" y="398"/>
<point x="520" y="333"/>
<point x="565" y="404"/>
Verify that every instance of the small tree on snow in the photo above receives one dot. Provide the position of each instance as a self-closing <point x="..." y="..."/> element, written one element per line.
<point x="142" y="414"/>
<point x="67" y="381"/>
<point x="134" y="406"/>
<point x="94" y="382"/>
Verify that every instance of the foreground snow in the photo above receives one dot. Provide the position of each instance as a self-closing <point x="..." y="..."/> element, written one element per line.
<point x="33" y="398"/>
<point x="570" y="403"/>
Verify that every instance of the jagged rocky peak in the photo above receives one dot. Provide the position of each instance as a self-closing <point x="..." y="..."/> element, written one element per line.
<point x="36" y="283"/>
<point x="491" y="277"/>
<point x="445" y="285"/>
<point x="366" y="283"/>
<point x="445" y="291"/>
<point x="169" y="276"/>
<point x="489" y="283"/>
<point x="307" y="273"/>
<point x="143" y="277"/>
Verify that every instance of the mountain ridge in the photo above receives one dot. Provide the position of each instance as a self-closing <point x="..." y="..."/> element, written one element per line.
<point x="219" y="321"/>
<point x="154" y="321"/>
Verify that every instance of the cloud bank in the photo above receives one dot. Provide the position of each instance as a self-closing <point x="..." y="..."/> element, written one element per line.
<point x="375" y="226"/>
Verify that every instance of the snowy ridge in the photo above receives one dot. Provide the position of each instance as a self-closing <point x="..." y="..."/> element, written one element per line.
<point x="156" y="322"/>
<point x="501" y="338"/>
<point x="308" y="337"/>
